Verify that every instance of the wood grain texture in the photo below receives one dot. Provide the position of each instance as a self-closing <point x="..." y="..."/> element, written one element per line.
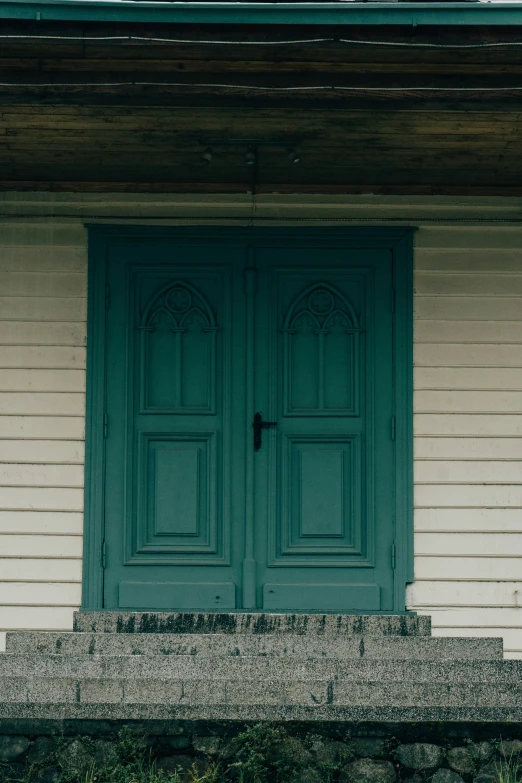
<point x="27" y="569"/>
<point x="440" y="331"/>
<point x="46" y="452"/>
<point x="435" y="401"/>
<point x="468" y="520"/>
<point x="40" y="546"/>
<point x="399" y="125"/>
<point x="19" y="380"/>
<point x="467" y="472"/>
<point x="487" y="569"/>
<point x="38" y="333"/>
<point x="468" y="594"/>
<point x="45" y="498"/>
<point x="468" y="425"/>
<point x="42" y="427"/>
<point x="43" y="284"/>
<point x="480" y="545"/>
<point x="34" y="475"/>
<point x="468" y="496"/>
<point x="41" y="523"/>
<point x="46" y="594"/>
<point x="34" y="308"/>
<point x="33" y="357"/>
<point x="36" y="618"/>
<point x="463" y="355"/>
<point x="471" y="378"/>
<point x="42" y="403"/>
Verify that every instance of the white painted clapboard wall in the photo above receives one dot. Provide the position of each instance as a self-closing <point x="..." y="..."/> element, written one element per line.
<point x="42" y="402"/>
<point x="468" y="428"/>
<point x="468" y="446"/>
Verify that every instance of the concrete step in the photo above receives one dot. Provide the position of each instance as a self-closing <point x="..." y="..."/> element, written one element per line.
<point x="76" y="715"/>
<point x="287" y="645"/>
<point x="250" y="667"/>
<point x="323" y="625"/>
<point x="214" y="668"/>
<point x="149" y="693"/>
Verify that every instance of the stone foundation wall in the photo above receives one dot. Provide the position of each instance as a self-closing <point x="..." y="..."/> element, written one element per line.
<point x="188" y="752"/>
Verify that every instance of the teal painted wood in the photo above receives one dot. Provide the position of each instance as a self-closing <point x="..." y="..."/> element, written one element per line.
<point x="327" y="361"/>
<point x="325" y="477"/>
<point x="330" y="13"/>
<point x="173" y="449"/>
<point x="94" y="500"/>
<point x="249" y="561"/>
<point x="403" y="381"/>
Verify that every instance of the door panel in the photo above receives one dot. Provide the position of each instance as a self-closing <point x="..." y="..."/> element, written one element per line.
<point x="348" y="597"/>
<point x="220" y="596"/>
<point x="190" y="508"/>
<point x="320" y="495"/>
<point x="173" y="538"/>
<point x="178" y="475"/>
<point x="324" y="350"/>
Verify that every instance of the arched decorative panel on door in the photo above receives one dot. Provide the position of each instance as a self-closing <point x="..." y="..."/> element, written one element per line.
<point x="178" y="352"/>
<point x="321" y="354"/>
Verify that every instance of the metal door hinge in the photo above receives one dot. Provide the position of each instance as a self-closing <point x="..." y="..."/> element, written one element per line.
<point x="105" y="425"/>
<point x="103" y="555"/>
<point x="393" y="556"/>
<point x="393" y="427"/>
<point x="107" y="297"/>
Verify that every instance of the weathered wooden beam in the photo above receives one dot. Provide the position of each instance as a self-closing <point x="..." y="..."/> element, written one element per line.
<point x="63" y="186"/>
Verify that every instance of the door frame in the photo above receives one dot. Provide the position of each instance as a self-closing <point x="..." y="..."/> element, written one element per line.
<point x="398" y="240"/>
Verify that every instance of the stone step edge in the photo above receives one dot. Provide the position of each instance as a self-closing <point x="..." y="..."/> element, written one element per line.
<point x="468" y="667"/>
<point x="303" y="693"/>
<point x="227" y="712"/>
<point x="279" y="682"/>
<point x="279" y="638"/>
<point x="290" y="658"/>
<point x="249" y="647"/>
<point x="257" y="623"/>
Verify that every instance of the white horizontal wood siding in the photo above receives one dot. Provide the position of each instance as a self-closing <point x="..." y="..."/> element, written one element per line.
<point x="468" y="431"/>
<point x="43" y="267"/>
<point x="468" y="405"/>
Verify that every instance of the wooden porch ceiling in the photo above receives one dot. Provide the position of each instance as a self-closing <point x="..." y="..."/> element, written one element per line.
<point x="91" y="107"/>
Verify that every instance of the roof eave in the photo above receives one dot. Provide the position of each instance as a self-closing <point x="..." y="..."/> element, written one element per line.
<point x="322" y="13"/>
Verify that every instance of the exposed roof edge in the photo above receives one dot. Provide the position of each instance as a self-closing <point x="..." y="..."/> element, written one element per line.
<point x="325" y="13"/>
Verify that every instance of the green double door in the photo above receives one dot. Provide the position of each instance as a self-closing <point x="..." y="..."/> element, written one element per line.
<point x="249" y="449"/>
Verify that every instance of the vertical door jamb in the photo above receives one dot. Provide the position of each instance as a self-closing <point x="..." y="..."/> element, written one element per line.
<point x="94" y="493"/>
<point x="249" y="562"/>
<point x="403" y="384"/>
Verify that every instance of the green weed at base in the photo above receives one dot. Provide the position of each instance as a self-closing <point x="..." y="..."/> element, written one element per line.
<point x="132" y="762"/>
<point x="509" y="771"/>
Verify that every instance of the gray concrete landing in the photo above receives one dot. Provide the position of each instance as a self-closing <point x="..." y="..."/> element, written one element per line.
<point x="155" y="667"/>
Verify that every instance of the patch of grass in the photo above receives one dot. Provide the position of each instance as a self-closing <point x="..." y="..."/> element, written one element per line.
<point x="133" y="762"/>
<point x="259" y="755"/>
<point x="509" y="770"/>
<point x="148" y="773"/>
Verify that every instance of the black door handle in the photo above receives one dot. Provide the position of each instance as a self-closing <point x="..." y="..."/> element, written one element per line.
<point x="259" y="426"/>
